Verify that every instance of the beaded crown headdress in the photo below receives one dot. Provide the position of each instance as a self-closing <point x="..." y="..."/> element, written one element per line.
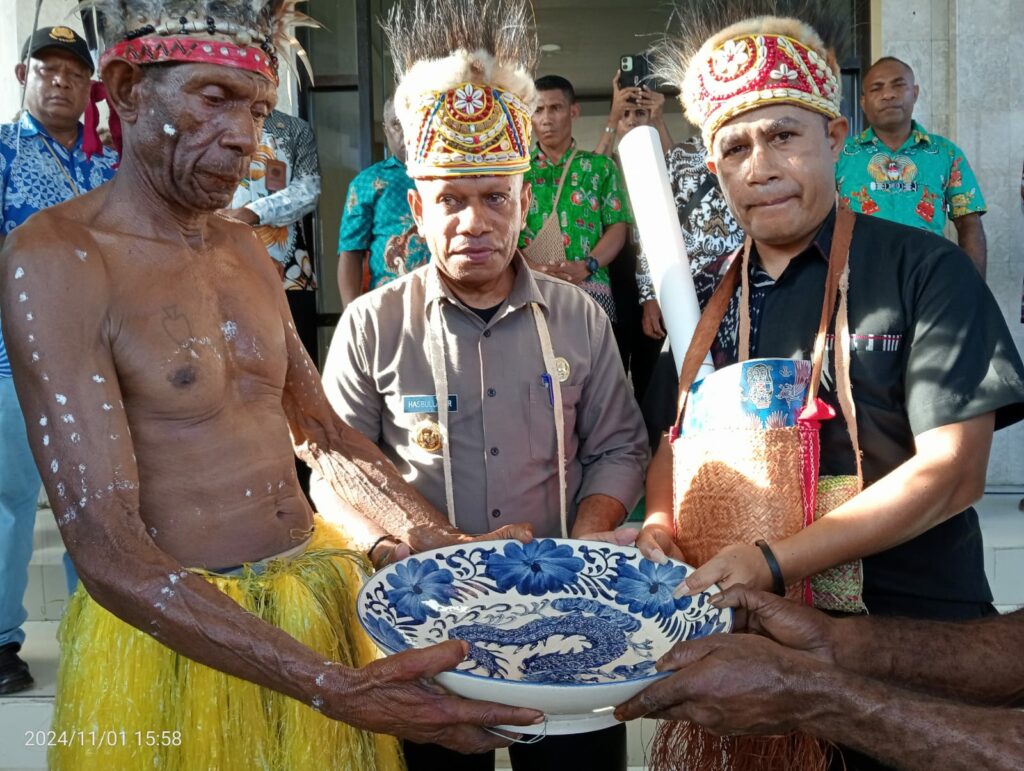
<point x="465" y="94"/>
<point x="758" y="54"/>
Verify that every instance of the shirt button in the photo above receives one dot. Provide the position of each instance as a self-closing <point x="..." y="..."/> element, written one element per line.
<point x="487" y="333"/>
<point x="496" y="513"/>
<point x="494" y="451"/>
<point x="491" y="392"/>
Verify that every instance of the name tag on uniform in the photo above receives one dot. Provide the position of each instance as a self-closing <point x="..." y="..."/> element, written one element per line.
<point x="428" y="403"/>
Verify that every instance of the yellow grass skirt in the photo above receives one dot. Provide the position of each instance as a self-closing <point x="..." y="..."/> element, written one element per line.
<point x="125" y="701"/>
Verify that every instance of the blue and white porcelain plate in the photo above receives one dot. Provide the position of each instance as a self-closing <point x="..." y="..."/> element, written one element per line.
<point x="564" y="626"/>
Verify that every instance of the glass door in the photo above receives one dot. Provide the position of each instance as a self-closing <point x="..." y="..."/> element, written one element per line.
<point x="343" y="103"/>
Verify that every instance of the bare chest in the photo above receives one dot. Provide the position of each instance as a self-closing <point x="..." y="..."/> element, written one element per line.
<point x="190" y="339"/>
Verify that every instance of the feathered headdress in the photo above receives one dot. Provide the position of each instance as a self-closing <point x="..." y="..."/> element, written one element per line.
<point x="732" y="56"/>
<point x="245" y="34"/>
<point x="465" y="95"/>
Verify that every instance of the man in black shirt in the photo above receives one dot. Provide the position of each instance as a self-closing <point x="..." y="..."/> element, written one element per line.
<point x="933" y="367"/>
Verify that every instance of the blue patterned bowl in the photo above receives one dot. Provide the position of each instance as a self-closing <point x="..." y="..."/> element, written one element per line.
<point x="571" y="628"/>
<point x="758" y="393"/>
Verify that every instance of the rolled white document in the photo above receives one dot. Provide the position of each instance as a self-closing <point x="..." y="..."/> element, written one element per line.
<point x="643" y="165"/>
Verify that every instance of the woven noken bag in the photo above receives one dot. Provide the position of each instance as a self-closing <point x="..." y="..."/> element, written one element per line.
<point x="738" y="485"/>
<point x="548" y="246"/>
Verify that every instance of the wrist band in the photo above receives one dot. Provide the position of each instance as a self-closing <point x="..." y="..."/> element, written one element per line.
<point x="369" y="552"/>
<point x="778" y="584"/>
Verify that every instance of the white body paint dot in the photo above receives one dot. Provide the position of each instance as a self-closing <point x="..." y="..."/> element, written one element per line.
<point x="54" y="466"/>
<point x="230" y="330"/>
<point x="35" y="355"/>
<point x="75" y="438"/>
<point x="22" y="297"/>
<point x="61" y="399"/>
<point x="29" y="317"/>
<point x="81" y="254"/>
<point x="43" y="421"/>
<point x="98" y="379"/>
<point x="69" y="418"/>
<point x="169" y="130"/>
<point x="19" y="272"/>
<point x="107" y="407"/>
<point x="46" y="440"/>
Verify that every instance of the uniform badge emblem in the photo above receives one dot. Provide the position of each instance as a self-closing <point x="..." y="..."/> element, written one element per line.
<point x="64" y="34"/>
<point x="427" y="434"/>
<point x="562" y="369"/>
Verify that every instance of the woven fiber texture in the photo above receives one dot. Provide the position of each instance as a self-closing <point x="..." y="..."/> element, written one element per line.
<point x="736" y="486"/>
<point x="841" y="587"/>
<point x="548" y="246"/>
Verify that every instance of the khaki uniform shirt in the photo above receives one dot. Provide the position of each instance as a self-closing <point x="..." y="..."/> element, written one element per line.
<point x="501" y="422"/>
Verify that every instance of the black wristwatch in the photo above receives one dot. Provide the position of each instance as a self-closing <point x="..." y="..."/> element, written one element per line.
<point x="592" y="265"/>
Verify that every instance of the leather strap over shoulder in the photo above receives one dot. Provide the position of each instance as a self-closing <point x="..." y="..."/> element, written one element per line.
<point x="714" y="312"/>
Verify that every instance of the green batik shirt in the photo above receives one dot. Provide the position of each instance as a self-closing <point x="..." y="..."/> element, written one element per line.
<point x="593" y="199"/>
<point x="377" y="219"/>
<point x="920" y="184"/>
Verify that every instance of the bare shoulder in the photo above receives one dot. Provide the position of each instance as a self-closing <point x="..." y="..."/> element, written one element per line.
<point x="243" y="243"/>
<point x="53" y="254"/>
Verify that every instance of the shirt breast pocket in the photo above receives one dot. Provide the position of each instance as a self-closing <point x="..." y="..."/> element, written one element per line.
<point x="876" y="368"/>
<point x="542" y="421"/>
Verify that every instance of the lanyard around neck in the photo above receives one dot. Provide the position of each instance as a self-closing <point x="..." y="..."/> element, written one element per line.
<point x="56" y="159"/>
<point x="439" y="371"/>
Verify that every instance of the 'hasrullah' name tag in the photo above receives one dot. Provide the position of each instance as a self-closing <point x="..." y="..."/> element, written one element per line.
<point x="428" y="403"/>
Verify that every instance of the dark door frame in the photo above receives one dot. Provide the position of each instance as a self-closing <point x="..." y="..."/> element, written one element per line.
<point x="362" y="85"/>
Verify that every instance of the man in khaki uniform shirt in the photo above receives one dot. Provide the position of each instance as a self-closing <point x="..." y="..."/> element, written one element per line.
<point x="501" y="420"/>
<point x="537" y="427"/>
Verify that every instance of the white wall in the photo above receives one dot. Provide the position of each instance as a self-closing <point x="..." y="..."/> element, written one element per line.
<point x="964" y="54"/>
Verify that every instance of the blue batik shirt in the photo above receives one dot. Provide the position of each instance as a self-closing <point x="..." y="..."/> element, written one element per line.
<point x="31" y="178"/>
<point x="377" y="219"/>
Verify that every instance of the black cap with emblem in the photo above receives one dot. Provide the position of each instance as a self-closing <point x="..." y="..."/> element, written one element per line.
<point x="63" y="38"/>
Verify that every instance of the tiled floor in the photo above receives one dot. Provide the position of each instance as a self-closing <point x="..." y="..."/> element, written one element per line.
<point x="21" y="715"/>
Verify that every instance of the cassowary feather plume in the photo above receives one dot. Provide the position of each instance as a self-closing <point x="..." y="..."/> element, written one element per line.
<point x="437" y="44"/>
<point x="245" y="20"/>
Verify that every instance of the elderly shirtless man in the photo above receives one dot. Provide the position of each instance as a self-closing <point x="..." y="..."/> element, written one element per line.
<point x="160" y="376"/>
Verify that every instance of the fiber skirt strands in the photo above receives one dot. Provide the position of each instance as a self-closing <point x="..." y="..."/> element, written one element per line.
<point x="115" y="678"/>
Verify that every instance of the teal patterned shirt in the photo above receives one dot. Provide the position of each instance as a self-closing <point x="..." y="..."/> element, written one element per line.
<point x="377" y="219"/>
<point x="919" y="185"/>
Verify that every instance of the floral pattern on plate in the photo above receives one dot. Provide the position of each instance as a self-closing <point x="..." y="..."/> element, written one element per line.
<point x="552" y="611"/>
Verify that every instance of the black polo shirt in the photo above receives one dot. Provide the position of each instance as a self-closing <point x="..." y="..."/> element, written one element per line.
<point x="929" y="347"/>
